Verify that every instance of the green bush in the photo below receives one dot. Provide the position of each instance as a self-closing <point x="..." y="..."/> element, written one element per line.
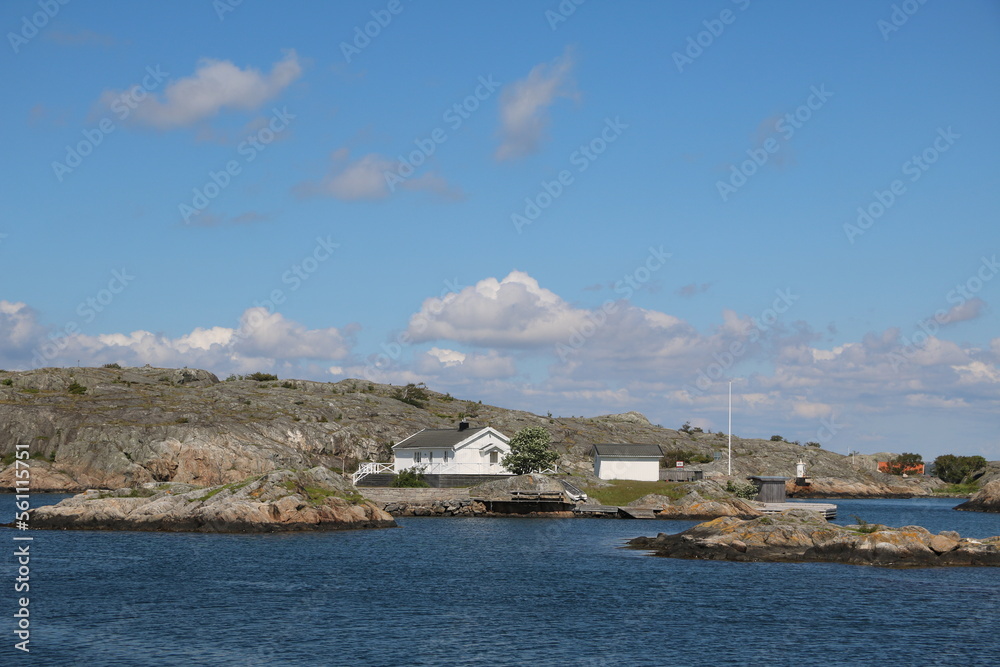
<point x="777" y="438"/>
<point x="746" y="490"/>
<point x="670" y="458"/>
<point x="411" y="478"/>
<point x="8" y="381"/>
<point x="261" y="377"/>
<point x="112" y="365"/>
<point x="77" y="389"/>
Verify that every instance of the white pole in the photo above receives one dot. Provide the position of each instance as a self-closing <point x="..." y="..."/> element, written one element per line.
<point x="730" y="429"/>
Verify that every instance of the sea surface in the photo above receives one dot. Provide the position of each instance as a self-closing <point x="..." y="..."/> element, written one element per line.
<point x="471" y="591"/>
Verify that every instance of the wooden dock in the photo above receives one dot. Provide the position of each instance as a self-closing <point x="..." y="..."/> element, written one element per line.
<point x="613" y="511"/>
<point x="828" y="510"/>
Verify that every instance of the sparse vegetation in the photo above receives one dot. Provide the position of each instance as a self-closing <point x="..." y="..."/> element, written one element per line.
<point x="958" y="489"/>
<point x="413" y="394"/>
<point x="864" y="526"/>
<point x="622" y="492"/>
<point x="813" y="443"/>
<point x="261" y="377"/>
<point x="671" y="457"/>
<point x="411" y="478"/>
<point x="112" y="365"/>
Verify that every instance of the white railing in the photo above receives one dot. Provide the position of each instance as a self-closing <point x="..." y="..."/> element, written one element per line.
<point x="366" y="469"/>
<point x="455" y="468"/>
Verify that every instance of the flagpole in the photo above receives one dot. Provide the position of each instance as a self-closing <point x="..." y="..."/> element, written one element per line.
<point x="730" y="429"/>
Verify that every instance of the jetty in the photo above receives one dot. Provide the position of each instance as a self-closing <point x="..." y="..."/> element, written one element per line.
<point x="827" y="510"/>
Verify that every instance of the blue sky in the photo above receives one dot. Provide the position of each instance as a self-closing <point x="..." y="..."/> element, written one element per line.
<point x="616" y="208"/>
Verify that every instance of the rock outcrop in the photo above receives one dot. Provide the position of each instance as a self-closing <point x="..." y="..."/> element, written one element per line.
<point x="705" y="500"/>
<point x="987" y="499"/>
<point x="117" y="427"/>
<point x="279" y="501"/>
<point x="694" y="506"/>
<point x="803" y="536"/>
<point x="505" y="489"/>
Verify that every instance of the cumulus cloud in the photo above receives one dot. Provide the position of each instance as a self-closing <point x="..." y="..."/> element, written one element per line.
<point x="215" y="86"/>
<point x="262" y="339"/>
<point x="366" y="179"/>
<point x="513" y="312"/>
<point x="524" y="106"/>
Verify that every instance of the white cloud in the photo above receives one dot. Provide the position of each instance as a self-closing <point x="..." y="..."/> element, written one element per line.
<point x="215" y="86"/>
<point x="961" y="312"/>
<point x="262" y="340"/>
<point x="524" y="106"/>
<point x="514" y="312"/>
<point x="365" y="179"/>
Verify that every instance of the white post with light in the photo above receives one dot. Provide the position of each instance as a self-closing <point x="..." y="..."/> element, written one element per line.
<point x="730" y="429"/>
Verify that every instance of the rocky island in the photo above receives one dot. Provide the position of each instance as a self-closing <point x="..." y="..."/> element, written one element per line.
<point x="987" y="499"/>
<point x="279" y="501"/>
<point x="799" y="536"/>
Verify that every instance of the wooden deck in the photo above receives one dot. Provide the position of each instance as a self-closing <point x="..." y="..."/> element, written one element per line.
<point x="828" y="510"/>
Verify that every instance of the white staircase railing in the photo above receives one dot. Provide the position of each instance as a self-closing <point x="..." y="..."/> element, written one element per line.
<point x="366" y="469"/>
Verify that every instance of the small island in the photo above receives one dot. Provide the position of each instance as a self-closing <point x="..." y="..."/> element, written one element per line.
<point x="280" y="501"/>
<point x="799" y="536"/>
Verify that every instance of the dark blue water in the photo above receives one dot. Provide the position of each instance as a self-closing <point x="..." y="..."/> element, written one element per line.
<point x="492" y="592"/>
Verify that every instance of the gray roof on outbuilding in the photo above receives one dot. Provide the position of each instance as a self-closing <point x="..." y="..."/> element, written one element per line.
<point x="437" y="438"/>
<point x="627" y="451"/>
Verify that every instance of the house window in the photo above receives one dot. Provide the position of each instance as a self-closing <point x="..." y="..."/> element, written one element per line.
<point x="494" y="457"/>
<point x="416" y="457"/>
<point x="446" y="456"/>
<point x="430" y="457"/>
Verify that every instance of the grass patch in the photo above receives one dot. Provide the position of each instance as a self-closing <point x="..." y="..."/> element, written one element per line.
<point x="623" y="491"/>
<point x="959" y="489"/>
<point x="232" y="486"/>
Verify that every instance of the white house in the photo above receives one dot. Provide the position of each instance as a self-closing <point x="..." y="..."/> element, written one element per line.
<point x="638" y="462"/>
<point x="450" y="451"/>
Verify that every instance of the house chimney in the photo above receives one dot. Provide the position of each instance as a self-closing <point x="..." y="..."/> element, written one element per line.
<point x="462" y="425"/>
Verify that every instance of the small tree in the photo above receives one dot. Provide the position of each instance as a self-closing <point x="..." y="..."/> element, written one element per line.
<point x="776" y="438"/>
<point x="957" y="469"/>
<point x="414" y="394"/>
<point x="529" y="451"/>
<point x="904" y="462"/>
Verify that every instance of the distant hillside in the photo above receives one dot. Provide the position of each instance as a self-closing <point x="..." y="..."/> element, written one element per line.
<point x="111" y="427"/>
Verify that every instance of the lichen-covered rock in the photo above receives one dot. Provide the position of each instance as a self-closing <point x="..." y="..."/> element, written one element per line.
<point x="804" y="536"/>
<point x="987" y="499"/>
<point x="694" y="506"/>
<point x="315" y="499"/>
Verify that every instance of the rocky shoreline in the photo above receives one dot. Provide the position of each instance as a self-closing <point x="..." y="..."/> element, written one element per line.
<point x="986" y="499"/>
<point x="801" y="536"/>
<point x="281" y="501"/>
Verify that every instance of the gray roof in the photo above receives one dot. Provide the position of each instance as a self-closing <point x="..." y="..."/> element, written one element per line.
<point x="437" y="438"/>
<point x="629" y="451"/>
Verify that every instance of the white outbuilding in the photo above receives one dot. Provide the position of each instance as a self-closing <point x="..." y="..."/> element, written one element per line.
<point x="453" y="451"/>
<point x="636" y="462"/>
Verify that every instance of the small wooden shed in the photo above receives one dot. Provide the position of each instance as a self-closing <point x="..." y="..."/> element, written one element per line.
<point x="769" y="489"/>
